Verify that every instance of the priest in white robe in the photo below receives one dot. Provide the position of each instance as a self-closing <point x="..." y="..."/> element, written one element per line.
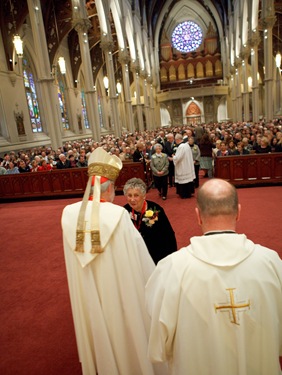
<point x="216" y="305"/>
<point x="108" y="266"/>
<point x="184" y="168"/>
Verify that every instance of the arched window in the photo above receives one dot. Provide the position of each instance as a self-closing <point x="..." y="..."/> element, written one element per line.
<point x="187" y="36"/>
<point x="84" y="112"/>
<point x="100" y="111"/>
<point x="31" y="96"/>
<point x="62" y="99"/>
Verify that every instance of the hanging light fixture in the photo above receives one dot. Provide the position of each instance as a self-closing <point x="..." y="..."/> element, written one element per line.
<point x="106" y="82"/>
<point x="278" y="55"/>
<point x="119" y="88"/>
<point x="62" y="65"/>
<point x="18" y="43"/>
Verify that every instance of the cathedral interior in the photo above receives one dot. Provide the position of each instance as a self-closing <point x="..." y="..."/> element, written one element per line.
<point x="71" y="69"/>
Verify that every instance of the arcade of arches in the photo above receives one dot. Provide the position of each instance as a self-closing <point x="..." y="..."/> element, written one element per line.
<point x="89" y="68"/>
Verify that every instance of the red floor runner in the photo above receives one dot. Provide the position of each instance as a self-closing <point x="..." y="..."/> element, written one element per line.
<point x="37" y="335"/>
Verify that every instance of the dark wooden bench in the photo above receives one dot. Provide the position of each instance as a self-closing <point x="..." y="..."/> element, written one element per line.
<point x="59" y="183"/>
<point x="253" y="169"/>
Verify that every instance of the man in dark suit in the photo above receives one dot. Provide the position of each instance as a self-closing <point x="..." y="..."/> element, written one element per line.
<point x="170" y="149"/>
<point x="63" y="162"/>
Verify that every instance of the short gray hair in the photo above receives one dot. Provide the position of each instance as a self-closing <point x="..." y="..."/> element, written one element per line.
<point x="158" y="145"/>
<point x="178" y="136"/>
<point x="135" y="183"/>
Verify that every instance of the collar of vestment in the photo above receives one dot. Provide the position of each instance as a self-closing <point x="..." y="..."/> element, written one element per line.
<point x="219" y="232"/>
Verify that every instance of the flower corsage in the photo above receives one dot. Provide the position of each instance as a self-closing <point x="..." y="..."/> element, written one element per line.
<point x="150" y="217"/>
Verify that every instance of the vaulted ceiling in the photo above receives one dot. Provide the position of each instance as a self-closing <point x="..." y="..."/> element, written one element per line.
<point x="57" y="16"/>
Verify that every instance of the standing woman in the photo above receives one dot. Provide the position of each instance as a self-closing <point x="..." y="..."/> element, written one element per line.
<point x="150" y="220"/>
<point x="196" y="153"/>
<point x="206" y="147"/>
<point x="159" y="166"/>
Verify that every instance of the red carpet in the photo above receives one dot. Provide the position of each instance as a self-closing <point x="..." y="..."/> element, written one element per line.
<point x="37" y="335"/>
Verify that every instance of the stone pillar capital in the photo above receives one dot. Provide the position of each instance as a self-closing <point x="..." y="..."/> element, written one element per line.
<point x="143" y="74"/>
<point x="107" y="44"/>
<point x="238" y="62"/>
<point x="232" y="70"/>
<point x="245" y="52"/>
<point x="268" y="22"/>
<point x="135" y="66"/>
<point x="254" y="39"/>
<point x="123" y="57"/>
<point x="81" y="25"/>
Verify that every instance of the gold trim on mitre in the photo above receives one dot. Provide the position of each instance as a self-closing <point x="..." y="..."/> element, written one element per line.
<point x="103" y="170"/>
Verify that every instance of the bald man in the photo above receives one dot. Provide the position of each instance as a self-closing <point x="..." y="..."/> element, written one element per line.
<point x="216" y="305"/>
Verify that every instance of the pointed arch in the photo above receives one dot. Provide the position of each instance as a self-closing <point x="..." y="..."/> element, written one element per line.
<point x="163" y="74"/>
<point x="172" y="73"/>
<point x="209" y="69"/>
<point x="190" y="71"/>
<point x="199" y="70"/>
<point x="181" y="72"/>
<point x="218" y="68"/>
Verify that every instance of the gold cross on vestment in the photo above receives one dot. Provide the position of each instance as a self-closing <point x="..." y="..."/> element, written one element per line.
<point x="233" y="307"/>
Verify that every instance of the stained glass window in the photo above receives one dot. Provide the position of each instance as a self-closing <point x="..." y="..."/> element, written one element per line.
<point x="100" y="111"/>
<point x="62" y="100"/>
<point x="187" y="36"/>
<point x="84" y="112"/>
<point x="31" y="96"/>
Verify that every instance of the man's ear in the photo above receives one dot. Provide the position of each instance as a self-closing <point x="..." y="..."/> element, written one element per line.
<point x="198" y="216"/>
<point x="239" y="212"/>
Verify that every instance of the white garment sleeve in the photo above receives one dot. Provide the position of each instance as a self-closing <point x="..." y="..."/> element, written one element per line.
<point x="179" y="154"/>
<point x="162" y="300"/>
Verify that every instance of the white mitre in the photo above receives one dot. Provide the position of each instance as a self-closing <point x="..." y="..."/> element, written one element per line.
<point x="101" y="166"/>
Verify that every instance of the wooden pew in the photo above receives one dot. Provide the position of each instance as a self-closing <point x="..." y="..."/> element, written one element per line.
<point x="253" y="169"/>
<point x="59" y="183"/>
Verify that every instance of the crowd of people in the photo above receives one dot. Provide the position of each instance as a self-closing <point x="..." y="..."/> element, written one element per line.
<point x="207" y="141"/>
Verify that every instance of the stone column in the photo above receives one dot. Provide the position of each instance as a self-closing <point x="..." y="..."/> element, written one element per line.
<point x="50" y="111"/>
<point x="146" y="99"/>
<point x="233" y="93"/>
<point x="254" y="42"/>
<point x="246" y="96"/>
<point x="81" y="26"/>
<point x="135" y="68"/>
<point x="107" y="45"/>
<point x="268" y="23"/>
<point x="151" y="102"/>
<point x="124" y="60"/>
<point x="238" y="81"/>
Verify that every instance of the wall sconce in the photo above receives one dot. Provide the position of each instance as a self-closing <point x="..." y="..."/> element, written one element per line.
<point x="62" y="65"/>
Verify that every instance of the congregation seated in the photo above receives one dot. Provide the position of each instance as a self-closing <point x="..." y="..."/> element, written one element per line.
<point x="240" y="150"/>
<point x="44" y="166"/>
<point x="263" y="147"/>
<point x="23" y="167"/>
<point x="261" y="137"/>
<point x="13" y="168"/>
<point x="223" y="151"/>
